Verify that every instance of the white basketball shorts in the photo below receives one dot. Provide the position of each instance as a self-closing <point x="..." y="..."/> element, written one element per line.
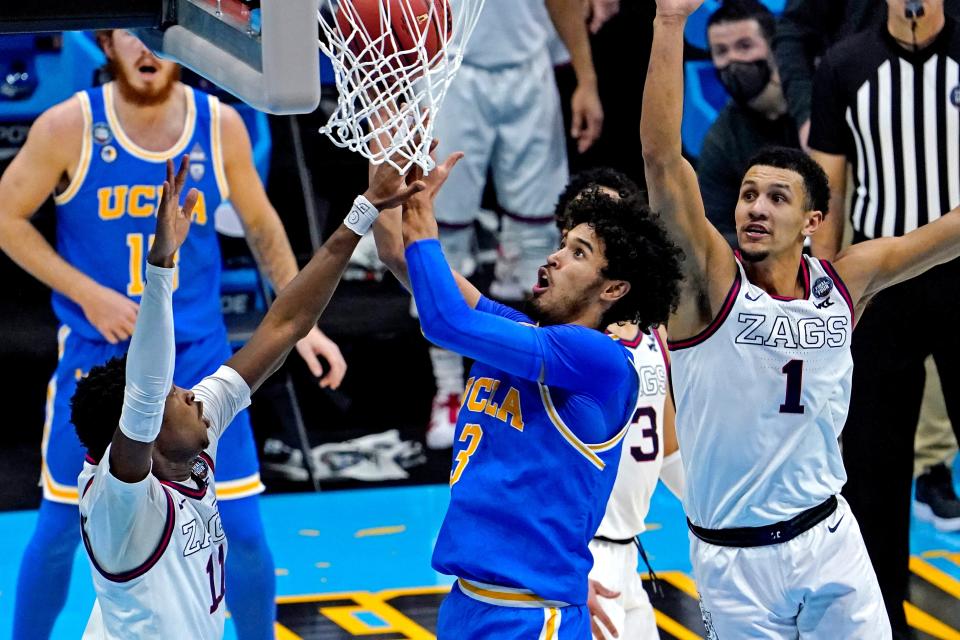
<point x="615" y="567"/>
<point x="818" y="585"/>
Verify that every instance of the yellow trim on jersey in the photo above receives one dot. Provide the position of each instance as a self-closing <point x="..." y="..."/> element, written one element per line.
<point x="132" y="148"/>
<point x="551" y="624"/>
<point x="216" y="140"/>
<point x="85" y="153"/>
<point x="53" y="490"/>
<point x="565" y="431"/>
<point x="240" y="488"/>
<point x="505" y="596"/>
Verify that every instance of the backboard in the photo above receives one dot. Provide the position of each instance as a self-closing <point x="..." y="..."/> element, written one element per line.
<point x="263" y="51"/>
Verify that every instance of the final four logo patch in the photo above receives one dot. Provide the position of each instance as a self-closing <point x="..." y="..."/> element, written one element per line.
<point x="200" y="470"/>
<point x="822" y="287"/>
<point x="955" y="97"/>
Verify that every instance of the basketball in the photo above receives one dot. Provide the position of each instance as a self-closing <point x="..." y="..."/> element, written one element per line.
<point x="410" y="22"/>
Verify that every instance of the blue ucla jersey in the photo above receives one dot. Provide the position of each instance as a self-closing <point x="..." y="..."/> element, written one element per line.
<point x="527" y="492"/>
<point x="106" y="216"/>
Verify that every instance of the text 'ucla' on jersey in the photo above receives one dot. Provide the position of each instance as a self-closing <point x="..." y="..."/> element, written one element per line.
<point x="105" y="217"/>
<point x="527" y="493"/>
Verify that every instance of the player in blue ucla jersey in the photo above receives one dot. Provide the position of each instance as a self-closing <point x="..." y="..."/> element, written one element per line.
<point x="101" y="153"/>
<point x="546" y="406"/>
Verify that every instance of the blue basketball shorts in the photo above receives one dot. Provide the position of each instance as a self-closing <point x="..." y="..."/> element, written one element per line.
<point x="237" y="475"/>
<point x="463" y="617"/>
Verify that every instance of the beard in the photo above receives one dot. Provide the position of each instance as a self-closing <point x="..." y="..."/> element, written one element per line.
<point x="139" y="97"/>
<point x="562" y="310"/>
<point x="753" y="256"/>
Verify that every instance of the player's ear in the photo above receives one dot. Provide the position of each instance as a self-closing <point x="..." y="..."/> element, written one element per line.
<point x="811" y="222"/>
<point x="614" y="290"/>
<point x="105" y="41"/>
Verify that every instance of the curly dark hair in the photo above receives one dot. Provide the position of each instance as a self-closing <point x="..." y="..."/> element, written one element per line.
<point x="815" y="181"/>
<point x="96" y="405"/>
<point x="637" y="249"/>
<point x="596" y="177"/>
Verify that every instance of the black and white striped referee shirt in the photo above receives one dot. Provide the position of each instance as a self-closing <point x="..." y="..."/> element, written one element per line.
<point x="895" y="115"/>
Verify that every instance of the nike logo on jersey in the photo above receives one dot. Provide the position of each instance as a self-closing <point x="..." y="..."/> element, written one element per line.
<point x="834" y="527"/>
<point x="823" y="305"/>
<point x="753" y="298"/>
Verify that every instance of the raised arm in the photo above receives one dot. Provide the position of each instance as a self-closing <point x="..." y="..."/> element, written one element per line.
<point x="149" y="374"/>
<point x="709" y="267"/>
<point x="298" y="305"/>
<point x="869" y="267"/>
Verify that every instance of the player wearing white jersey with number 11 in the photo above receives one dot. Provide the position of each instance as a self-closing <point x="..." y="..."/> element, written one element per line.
<point x="148" y="508"/>
<point x="761" y="370"/>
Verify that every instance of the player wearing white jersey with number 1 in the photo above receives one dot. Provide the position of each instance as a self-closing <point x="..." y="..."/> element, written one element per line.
<point x="148" y="508"/>
<point x="761" y="370"/>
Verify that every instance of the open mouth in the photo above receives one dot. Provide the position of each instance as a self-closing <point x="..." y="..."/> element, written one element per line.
<point x="147" y="69"/>
<point x="755" y="231"/>
<point x="543" y="281"/>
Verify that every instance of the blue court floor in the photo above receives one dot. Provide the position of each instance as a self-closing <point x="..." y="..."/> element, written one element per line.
<point x="357" y="564"/>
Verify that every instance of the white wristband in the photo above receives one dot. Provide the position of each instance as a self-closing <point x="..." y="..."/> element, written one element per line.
<point x="361" y="217"/>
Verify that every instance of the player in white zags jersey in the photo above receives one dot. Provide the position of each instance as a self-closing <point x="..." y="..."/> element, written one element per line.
<point x="617" y="599"/>
<point x="761" y="372"/>
<point x="148" y="508"/>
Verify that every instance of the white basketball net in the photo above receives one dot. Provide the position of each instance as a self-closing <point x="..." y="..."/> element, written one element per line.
<point x="389" y="96"/>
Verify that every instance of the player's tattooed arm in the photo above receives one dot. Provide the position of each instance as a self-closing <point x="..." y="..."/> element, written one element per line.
<point x="149" y="374"/>
<point x="268" y="241"/>
<point x="709" y="266"/>
<point x="869" y="267"/>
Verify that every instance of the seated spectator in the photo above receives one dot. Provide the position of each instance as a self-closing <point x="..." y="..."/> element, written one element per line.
<point x="740" y="34"/>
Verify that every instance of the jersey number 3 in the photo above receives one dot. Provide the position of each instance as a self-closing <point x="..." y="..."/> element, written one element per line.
<point x="644" y="454"/>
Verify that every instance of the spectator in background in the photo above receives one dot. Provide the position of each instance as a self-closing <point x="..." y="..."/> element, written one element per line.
<point x="882" y="103"/>
<point x="807" y="29"/>
<point x="740" y="34"/>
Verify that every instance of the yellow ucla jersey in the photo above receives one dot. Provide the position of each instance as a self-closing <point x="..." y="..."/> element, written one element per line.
<point x="106" y="216"/>
<point x="533" y="468"/>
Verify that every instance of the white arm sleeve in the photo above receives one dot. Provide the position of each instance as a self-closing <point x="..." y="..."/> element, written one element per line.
<point x="150" y="360"/>
<point x="224" y="394"/>
<point x="671" y="473"/>
<point x="123" y="522"/>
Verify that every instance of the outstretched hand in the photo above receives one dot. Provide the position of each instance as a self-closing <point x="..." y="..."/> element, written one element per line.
<point x="418" y="219"/>
<point x="598" y="616"/>
<point x="173" y="221"/>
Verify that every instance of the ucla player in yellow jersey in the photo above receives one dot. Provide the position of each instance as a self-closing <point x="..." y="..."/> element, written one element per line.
<point x="760" y="346"/>
<point x="545" y="409"/>
<point x="149" y="513"/>
<point x="100" y="154"/>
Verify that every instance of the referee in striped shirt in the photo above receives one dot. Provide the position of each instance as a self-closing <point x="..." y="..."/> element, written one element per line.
<point x="886" y="102"/>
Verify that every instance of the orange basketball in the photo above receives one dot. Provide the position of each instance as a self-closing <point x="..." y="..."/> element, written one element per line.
<point x="410" y="20"/>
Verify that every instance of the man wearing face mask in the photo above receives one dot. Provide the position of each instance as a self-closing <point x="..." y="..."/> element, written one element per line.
<point x="740" y="34"/>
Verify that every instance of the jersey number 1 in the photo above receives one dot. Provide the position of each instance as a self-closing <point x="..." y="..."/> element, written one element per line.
<point x="211" y="570"/>
<point x="794" y="371"/>
<point x="137" y="260"/>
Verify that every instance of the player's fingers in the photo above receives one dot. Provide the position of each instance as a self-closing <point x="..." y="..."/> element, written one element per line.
<point x="109" y="335"/>
<point x="338" y="369"/>
<point x="182" y="173"/>
<point x="603" y="592"/>
<point x="170" y="174"/>
<point x="601" y="615"/>
<point x="312" y="362"/>
<point x="165" y="189"/>
<point x="190" y="203"/>
<point x="595" y="628"/>
<point x="452" y="160"/>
